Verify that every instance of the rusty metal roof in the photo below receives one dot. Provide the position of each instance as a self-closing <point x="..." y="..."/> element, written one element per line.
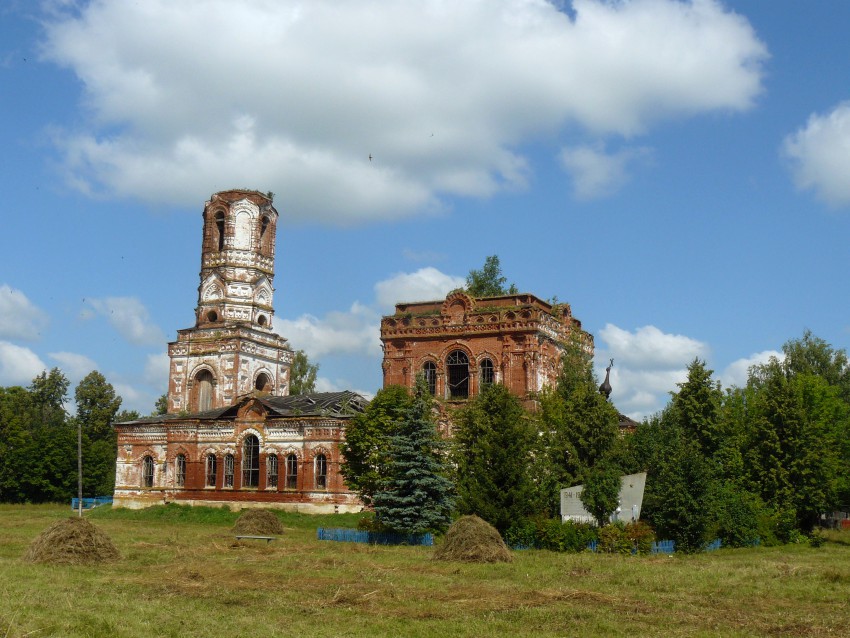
<point x="328" y="404"/>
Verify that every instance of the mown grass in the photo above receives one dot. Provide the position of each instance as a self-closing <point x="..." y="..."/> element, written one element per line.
<point x="182" y="574"/>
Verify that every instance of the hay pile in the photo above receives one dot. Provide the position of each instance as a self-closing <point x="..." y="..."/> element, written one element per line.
<point x="473" y="540"/>
<point x="257" y="523"/>
<point x="72" y="541"/>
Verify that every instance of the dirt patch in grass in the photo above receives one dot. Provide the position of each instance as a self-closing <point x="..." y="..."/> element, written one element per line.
<point x="258" y="523"/>
<point x="72" y="541"/>
<point x="473" y="540"/>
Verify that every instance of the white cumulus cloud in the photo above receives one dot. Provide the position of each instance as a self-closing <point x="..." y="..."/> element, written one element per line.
<point x="737" y="372"/>
<point x="18" y="365"/>
<point x="423" y="285"/>
<point x="296" y="97"/>
<point x="597" y="173"/>
<point x="129" y="317"/>
<point x="19" y="317"/>
<point x="156" y="371"/>
<point x="820" y="155"/>
<point x="75" y="366"/>
<point x="355" y="331"/>
<point x="648" y="363"/>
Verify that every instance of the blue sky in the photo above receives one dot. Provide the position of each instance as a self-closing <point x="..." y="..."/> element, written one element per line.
<point x="679" y="172"/>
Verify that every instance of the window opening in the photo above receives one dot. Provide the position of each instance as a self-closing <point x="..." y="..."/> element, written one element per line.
<point x="430" y="372"/>
<point x="262" y="382"/>
<point x="204" y="392"/>
<point x="180" y="470"/>
<point x="264" y="226"/>
<point x="219" y="224"/>
<point x="457" y="366"/>
<point x="211" y="470"/>
<point x="321" y="472"/>
<point x="251" y="461"/>
<point x="147" y="472"/>
<point x="291" y="472"/>
<point x="228" y="470"/>
<point x="271" y="470"/>
<point x="488" y="374"/>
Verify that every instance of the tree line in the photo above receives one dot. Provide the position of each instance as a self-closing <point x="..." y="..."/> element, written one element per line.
<point x="38" y="438"/>
<point x="760" y="463"/>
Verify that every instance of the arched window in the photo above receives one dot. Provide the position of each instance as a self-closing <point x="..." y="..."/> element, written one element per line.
<point x="429" y="370"/>
<point x="251" y="461"/>
<point x="180" y="470"/>
<point x="271" y="470"/>
<point x="212" y="467"/>
<point x="147" y="471"/>
<point x="321" y="472"/>
<point x="219" y="225"/>
<point x="228" y="471"/>
<point x="488" y="373"/>
<point x="264" y="226"/>
<point x="457" y="367"/>
<point x="291" y="472"/>
<point x="204" y="390"/>
<point x="263" y="382"/>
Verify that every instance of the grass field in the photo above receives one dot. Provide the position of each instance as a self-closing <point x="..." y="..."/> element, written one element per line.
<point x="182" y="574"/>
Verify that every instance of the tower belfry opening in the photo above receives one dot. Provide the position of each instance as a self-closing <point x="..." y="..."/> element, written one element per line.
<point x="232" y="349"/>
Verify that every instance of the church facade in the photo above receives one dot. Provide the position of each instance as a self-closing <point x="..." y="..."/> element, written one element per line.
<point x="461" y="343"/>
<point x="233" y="435"/>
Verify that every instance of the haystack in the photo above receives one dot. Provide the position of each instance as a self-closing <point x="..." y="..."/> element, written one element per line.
<point x="473" y="540"/>
<point x="257" y="523"/>
<point x="72" y="541"/>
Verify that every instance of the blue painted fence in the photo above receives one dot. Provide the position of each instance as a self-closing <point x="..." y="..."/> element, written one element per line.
<point x="89" y="503"/>
<point x="663" y="547"/>
<point x="348" y="535"/>
<point x="712" y="546"/>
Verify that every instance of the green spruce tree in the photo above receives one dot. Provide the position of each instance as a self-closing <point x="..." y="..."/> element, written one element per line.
<point x="416" y="497"/>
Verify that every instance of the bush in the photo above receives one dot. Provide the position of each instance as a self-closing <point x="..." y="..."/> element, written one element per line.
<point x="613" y="539"/>
<point x="816" y="538"/>
<point x="737" y="516"/>
<point x="641" y="535"/>
<point x="522" y="534"/>
<point x="551" y="534"/>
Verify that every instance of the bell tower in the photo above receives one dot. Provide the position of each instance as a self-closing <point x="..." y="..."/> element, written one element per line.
<point x="231" y="350"/>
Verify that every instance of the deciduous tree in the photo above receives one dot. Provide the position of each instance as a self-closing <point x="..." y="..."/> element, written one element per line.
<point x="302" y="374"/>
<point x="366" y="448"/>
<point x="493" y="456"/>
<point x="489" y="281"/>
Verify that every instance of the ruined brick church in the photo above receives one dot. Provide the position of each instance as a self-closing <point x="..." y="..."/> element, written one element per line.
<point x="462" y="343"/>
<point x="234" y="436"/>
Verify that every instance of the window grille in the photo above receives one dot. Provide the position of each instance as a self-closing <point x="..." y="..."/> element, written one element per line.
<point x="271" y="470"/>
<point x="180" y="470"/>
<point x="228" y="470"/>
<point x="147" y="472"/>
<point x="291" y="472"/>
<point x="457" y="365"/>
<point x="321" y="472"/>
<point x="488" y="374"/>
<point x="212" y="467"/>
<point x="251" y="461"/>
<point x="429" y="370"/>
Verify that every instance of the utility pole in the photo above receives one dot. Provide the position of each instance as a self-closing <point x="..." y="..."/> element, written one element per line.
<point x="80" y="467"/>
